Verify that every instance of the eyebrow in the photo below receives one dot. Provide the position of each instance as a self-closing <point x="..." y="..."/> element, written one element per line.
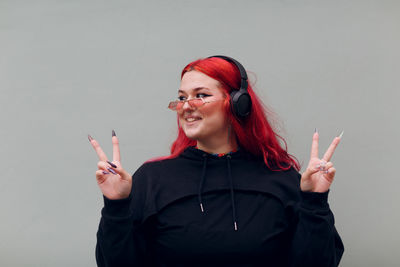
<point x="194" y="89"/>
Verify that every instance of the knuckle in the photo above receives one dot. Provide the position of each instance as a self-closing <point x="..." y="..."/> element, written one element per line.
<point x="99" y="174"/>
<point x="101" y="164"/>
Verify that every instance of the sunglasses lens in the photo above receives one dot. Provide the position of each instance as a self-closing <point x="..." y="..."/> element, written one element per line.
<point x="172" y="105"/>
<point x="178" y="105"/>
<point x="196" y="102"/>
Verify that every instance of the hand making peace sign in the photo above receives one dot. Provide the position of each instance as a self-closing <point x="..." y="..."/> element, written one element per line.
<point x="319" y="174"/>
<point x="113" y="180"/>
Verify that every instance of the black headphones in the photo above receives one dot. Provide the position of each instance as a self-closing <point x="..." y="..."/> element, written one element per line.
<point x="240" y="98"/>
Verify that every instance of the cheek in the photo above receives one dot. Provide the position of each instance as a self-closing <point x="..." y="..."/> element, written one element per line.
<point x="181" y="120"/>
<point x="214" y="113"/>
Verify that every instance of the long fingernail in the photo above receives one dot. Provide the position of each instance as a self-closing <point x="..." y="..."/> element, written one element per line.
<point x="316" y="130"/>
<point x="340" y="135"/>
<point x="112" y="164"/>
<point x="104" y="172"/>
<point x="111" y="170"/>
<point x="113" y="133"/>
<point x="89" y="137"/>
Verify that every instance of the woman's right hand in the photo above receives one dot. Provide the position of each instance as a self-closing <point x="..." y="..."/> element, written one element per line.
<point x="113" y="180"/>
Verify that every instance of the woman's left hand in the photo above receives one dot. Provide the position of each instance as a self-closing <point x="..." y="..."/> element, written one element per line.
<point x="319" y="174"/>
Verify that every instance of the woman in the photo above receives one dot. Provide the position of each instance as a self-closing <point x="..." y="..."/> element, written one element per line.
<point x="228" y="195"/>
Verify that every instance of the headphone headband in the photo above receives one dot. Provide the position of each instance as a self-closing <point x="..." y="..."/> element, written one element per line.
<point x="243" y="74"/>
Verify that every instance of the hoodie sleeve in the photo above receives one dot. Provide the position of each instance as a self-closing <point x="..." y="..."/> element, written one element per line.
<point x="121" y="237"/>
<point x="315" y="239"/>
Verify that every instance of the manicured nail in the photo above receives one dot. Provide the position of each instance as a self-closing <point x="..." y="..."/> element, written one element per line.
<point x="104" y="172"/>
<point x="316" y="130"/>
<point x="112" y="164"/>
<point x="340" y="135"/>
<point x="113" y="133"/>
<point x="111" y="170"/>
<point x="89" y="137"/>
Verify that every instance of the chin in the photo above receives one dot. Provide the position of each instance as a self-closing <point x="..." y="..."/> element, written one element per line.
<point x="192" y="134"/>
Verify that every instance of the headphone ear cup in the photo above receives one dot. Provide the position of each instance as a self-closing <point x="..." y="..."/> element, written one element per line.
<point x="240" y="103"/>
<point x="240" y="99"/>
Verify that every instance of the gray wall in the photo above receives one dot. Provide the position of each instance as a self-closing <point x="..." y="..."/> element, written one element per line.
<point x="72" y="68"/>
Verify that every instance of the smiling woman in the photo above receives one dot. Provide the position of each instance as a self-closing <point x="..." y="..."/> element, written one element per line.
<point x="227" y="195"/>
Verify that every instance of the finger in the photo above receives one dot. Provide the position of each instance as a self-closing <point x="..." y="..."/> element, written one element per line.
<point x="115" y="142"/>
<point x="105" y="167"/>
<point x="100" y="176"/>
<point x="321" y="165"/>
<point x="332" y="171"/>
<point x="329" y="165"/>
<point x="100" y="153"/>
<point x="324" y="166"/>
<point x="112" y="164"/>
<point x="101" y="165"/>
<point x="314" y="145"/>
<point x="311" y="170"/>
<point x="331" y="174"/>
<point x="331" y="149"/>
<point x="122" y="173"/>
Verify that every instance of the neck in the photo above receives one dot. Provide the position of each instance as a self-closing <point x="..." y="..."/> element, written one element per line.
<point x="216" y="148"/>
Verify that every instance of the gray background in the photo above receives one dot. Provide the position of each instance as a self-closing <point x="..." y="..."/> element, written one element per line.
<point x="72" y="68"/>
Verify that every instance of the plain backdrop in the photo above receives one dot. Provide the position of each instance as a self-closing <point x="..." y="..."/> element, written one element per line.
<point x="78" y="67"/>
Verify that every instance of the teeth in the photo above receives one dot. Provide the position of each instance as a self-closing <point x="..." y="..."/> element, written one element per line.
<point x="191" y="119"/>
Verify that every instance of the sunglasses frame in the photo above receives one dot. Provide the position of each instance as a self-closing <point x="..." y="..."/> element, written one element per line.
<point x="173" y="104"/>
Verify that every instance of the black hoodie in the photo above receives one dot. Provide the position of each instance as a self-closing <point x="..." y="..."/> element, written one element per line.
<point x="202" y="210"/>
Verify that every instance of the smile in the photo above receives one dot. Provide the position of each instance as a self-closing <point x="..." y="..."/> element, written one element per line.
<point x="191" y="119"/>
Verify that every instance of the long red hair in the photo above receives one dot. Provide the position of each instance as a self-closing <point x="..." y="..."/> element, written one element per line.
<point x="254" y="134"/>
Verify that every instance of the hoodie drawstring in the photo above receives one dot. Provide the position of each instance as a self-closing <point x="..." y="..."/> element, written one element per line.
<point x="228" y="160"/>
<point x="203" y="175"/>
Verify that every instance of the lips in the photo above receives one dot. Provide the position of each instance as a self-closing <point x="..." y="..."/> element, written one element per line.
<point x="191" y="119"/>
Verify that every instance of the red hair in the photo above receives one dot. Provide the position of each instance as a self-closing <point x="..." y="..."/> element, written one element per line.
<point x="254" y="134"/>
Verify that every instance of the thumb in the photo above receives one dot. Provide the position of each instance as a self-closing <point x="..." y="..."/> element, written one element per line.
<point x="310" y="171"/>
<point x="119" y="170"/>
